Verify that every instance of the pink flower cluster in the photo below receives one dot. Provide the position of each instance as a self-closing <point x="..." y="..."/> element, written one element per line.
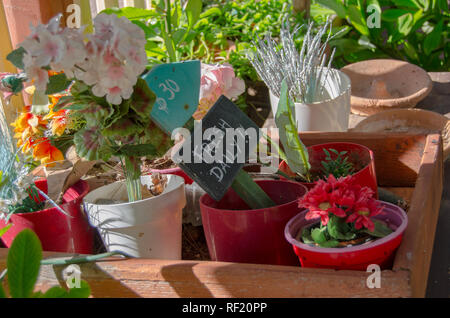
<point x="110" y="60"/>
<point x="344" y="199"/>
<point x="217" y="80"/>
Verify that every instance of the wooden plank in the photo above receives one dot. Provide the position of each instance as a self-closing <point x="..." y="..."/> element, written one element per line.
<point x="159" y="278"/>
<point x="416" y="250"/>
<point x="397" y="156"/>
<point x="86" y="15"/>
<point x="111" y="3"/>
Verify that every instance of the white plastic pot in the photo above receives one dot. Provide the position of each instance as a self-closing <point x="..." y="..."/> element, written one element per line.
<point x="330" y="114"/>
<point x="150" y="228"/>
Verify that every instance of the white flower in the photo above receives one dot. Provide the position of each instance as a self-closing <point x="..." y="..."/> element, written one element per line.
<point x="38" y="74"/>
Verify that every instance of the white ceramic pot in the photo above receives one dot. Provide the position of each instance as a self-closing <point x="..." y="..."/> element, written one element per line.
<point x="150" y="228"/>
<point x="330" y="114"/>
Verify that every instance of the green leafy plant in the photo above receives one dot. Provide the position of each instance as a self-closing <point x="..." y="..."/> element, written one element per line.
<point x="346" y="212"/>
<point x="23" y="264"/>
<point x="339" y="166"/>
<point x="416" y="31"/>
<point x="295" y="151"/>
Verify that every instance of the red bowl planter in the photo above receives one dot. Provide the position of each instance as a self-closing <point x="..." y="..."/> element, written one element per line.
<point x="366" y="175"/>
<point x="381" y="251"/>
<point x="236" y="234"/>
<point x="56" y="231"/>
<point x="176" y="171"/>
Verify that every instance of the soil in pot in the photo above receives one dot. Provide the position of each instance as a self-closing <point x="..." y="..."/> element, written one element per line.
<point x="360" y="157"/>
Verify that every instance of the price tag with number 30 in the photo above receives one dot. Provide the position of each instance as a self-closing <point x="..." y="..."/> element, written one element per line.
<point x="177" y="90"/>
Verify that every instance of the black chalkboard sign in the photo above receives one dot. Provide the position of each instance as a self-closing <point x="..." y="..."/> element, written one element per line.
<point x="218" y="149"/>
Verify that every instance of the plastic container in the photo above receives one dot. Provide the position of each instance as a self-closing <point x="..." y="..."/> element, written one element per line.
<point x="150" y="228"/>
<point x="236" y="234"/>
<point x="366" y="175"/>
<point x="359" y="257"/>
<point x="57" y="231"/>
<point x="332" y="113"/>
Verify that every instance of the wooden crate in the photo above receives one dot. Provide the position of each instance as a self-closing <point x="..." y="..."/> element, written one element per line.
<point x="408" y="165"/>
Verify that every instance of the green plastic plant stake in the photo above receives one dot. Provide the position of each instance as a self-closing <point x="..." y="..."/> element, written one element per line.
<point x="251" y="192"/>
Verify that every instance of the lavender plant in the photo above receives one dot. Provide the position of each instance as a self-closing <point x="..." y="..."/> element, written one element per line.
<point x="304" y="71"/>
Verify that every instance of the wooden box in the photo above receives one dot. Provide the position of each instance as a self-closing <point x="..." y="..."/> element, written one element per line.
<point x="410" y="166"/>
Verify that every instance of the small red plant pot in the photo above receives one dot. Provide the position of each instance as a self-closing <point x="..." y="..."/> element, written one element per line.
<point x="361" y="156"/>
<point x="176" y="171"/>
<point x="359" y="257"/>
<point x="57" y="231"/>
<point x="236" y="234"/>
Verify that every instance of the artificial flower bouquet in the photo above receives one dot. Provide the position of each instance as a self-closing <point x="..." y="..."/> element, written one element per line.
<point x="345" y="211"/>
<point x="99" y="77"/>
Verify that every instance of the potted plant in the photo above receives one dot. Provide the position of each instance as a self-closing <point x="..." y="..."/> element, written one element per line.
<point x="23" y="200"/>
<point x="339" y="159"/>
<point x="320" y="93"/>
<point x="103" y="74"/>
<point x="345" y="227"/>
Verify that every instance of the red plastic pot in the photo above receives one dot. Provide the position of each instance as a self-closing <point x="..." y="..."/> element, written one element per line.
<point x="176" y="171"/>
<point x="236" y="234"/>
<point x="380" y="251"/>
<point x="57" y="231"/>
<point x="365" y="176"/>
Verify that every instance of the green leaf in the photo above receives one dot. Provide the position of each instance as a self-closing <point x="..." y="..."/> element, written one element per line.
<point x="55" y="292"/>
<point x="5" y="229"/>
<point x="335" y="5"/>
<point x="319" y="235"/>
<point x="136" y="150"/>
<point x="391" y="15"/>
<point x="142" y="100"/>
<point x="306" y="236"/>
<point x="91" y="144"/>
<point x="2" y="291"/>
<point x="339" y="230"/>
<point x="57" y="84"/>
<point x="83" y="292"/>
<point x="23" y="264"/>
<point x="330" y="243"/>
<point x="407" y="3"/>
<point x="211" y="12"/>
<point x="16" y="57"/>
<point x="193" y="11"/>
<point x="405" y="24"/>
<point x="357" y="20"/>
<point x="433" y="39"/>
<point x="295" y="150"/>
<point x="381" y="230"/>
<point x="132" y="13"/>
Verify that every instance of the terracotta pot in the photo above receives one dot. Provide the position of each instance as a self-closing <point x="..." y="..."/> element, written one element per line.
<point x="413" y="121"/>
<point x="380" y="251"/>
<point x="57" y="231"/>
<point x="365" y="176"/>
<point x="384" y="84"/>
<point x="234" y="233"/>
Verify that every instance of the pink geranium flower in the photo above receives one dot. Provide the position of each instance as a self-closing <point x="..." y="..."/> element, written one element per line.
<point x="217" y="80"/>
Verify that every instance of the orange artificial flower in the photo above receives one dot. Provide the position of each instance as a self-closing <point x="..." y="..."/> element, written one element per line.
<point x="45" y="152"/>
<point x="26" y="126"/>
<point x="58" y="122"/>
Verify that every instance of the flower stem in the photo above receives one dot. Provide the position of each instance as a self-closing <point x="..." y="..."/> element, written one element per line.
<point x="133" y="178"/>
